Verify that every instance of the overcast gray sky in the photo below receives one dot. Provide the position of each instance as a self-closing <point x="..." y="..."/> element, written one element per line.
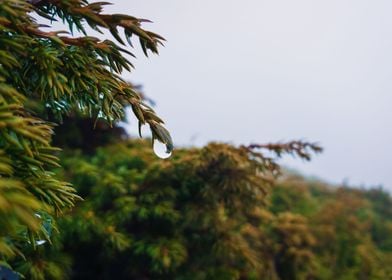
<point x="260" y="71"/>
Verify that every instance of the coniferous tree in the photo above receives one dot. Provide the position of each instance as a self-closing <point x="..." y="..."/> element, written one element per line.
<point x="212" y="213"/>
<point x="47" y="74"/>
<point x="206" y="214"/>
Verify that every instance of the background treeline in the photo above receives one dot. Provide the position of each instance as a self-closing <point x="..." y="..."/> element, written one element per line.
<point x="204" y="214"/>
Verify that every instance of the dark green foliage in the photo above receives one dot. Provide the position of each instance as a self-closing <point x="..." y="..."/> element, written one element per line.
<point x="46" y="76"/>
<point x="213" y="213"/>
<point x="165" y="219"/>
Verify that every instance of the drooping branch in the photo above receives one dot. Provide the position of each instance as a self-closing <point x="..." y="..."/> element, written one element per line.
<point x="298" y="148"/>
<point x="92" y="14"/>
<point x="116" y="93"/>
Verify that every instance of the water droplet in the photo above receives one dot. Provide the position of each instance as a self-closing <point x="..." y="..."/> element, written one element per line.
<point x="40" y="242"/>
<point x="161" y="150"/>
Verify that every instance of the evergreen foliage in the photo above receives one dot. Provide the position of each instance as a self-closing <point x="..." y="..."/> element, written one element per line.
<point x="217" y="212"/>
<point x="206" y="214"/>
<point x="44" y="75"/>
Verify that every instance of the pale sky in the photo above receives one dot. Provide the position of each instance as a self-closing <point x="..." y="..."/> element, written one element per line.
<point x="262" y="71"/>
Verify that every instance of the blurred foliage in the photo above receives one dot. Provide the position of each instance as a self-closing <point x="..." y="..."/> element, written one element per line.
<point x="213" y="213"/>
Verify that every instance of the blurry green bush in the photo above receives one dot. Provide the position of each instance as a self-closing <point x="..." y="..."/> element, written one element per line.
<point x="212" y="213"/>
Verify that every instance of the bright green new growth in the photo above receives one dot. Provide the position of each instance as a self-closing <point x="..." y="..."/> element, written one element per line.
<point x="51" y="73"/>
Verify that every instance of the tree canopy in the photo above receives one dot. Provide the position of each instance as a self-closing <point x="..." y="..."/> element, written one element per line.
<point x="206" y="214"/>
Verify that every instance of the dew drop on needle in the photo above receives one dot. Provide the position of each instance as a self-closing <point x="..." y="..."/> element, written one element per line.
<point x="161" y="150"/>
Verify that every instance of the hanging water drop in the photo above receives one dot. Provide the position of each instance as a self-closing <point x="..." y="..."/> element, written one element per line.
<point x="40" y="242"/>
<point x="161" y="150"/>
